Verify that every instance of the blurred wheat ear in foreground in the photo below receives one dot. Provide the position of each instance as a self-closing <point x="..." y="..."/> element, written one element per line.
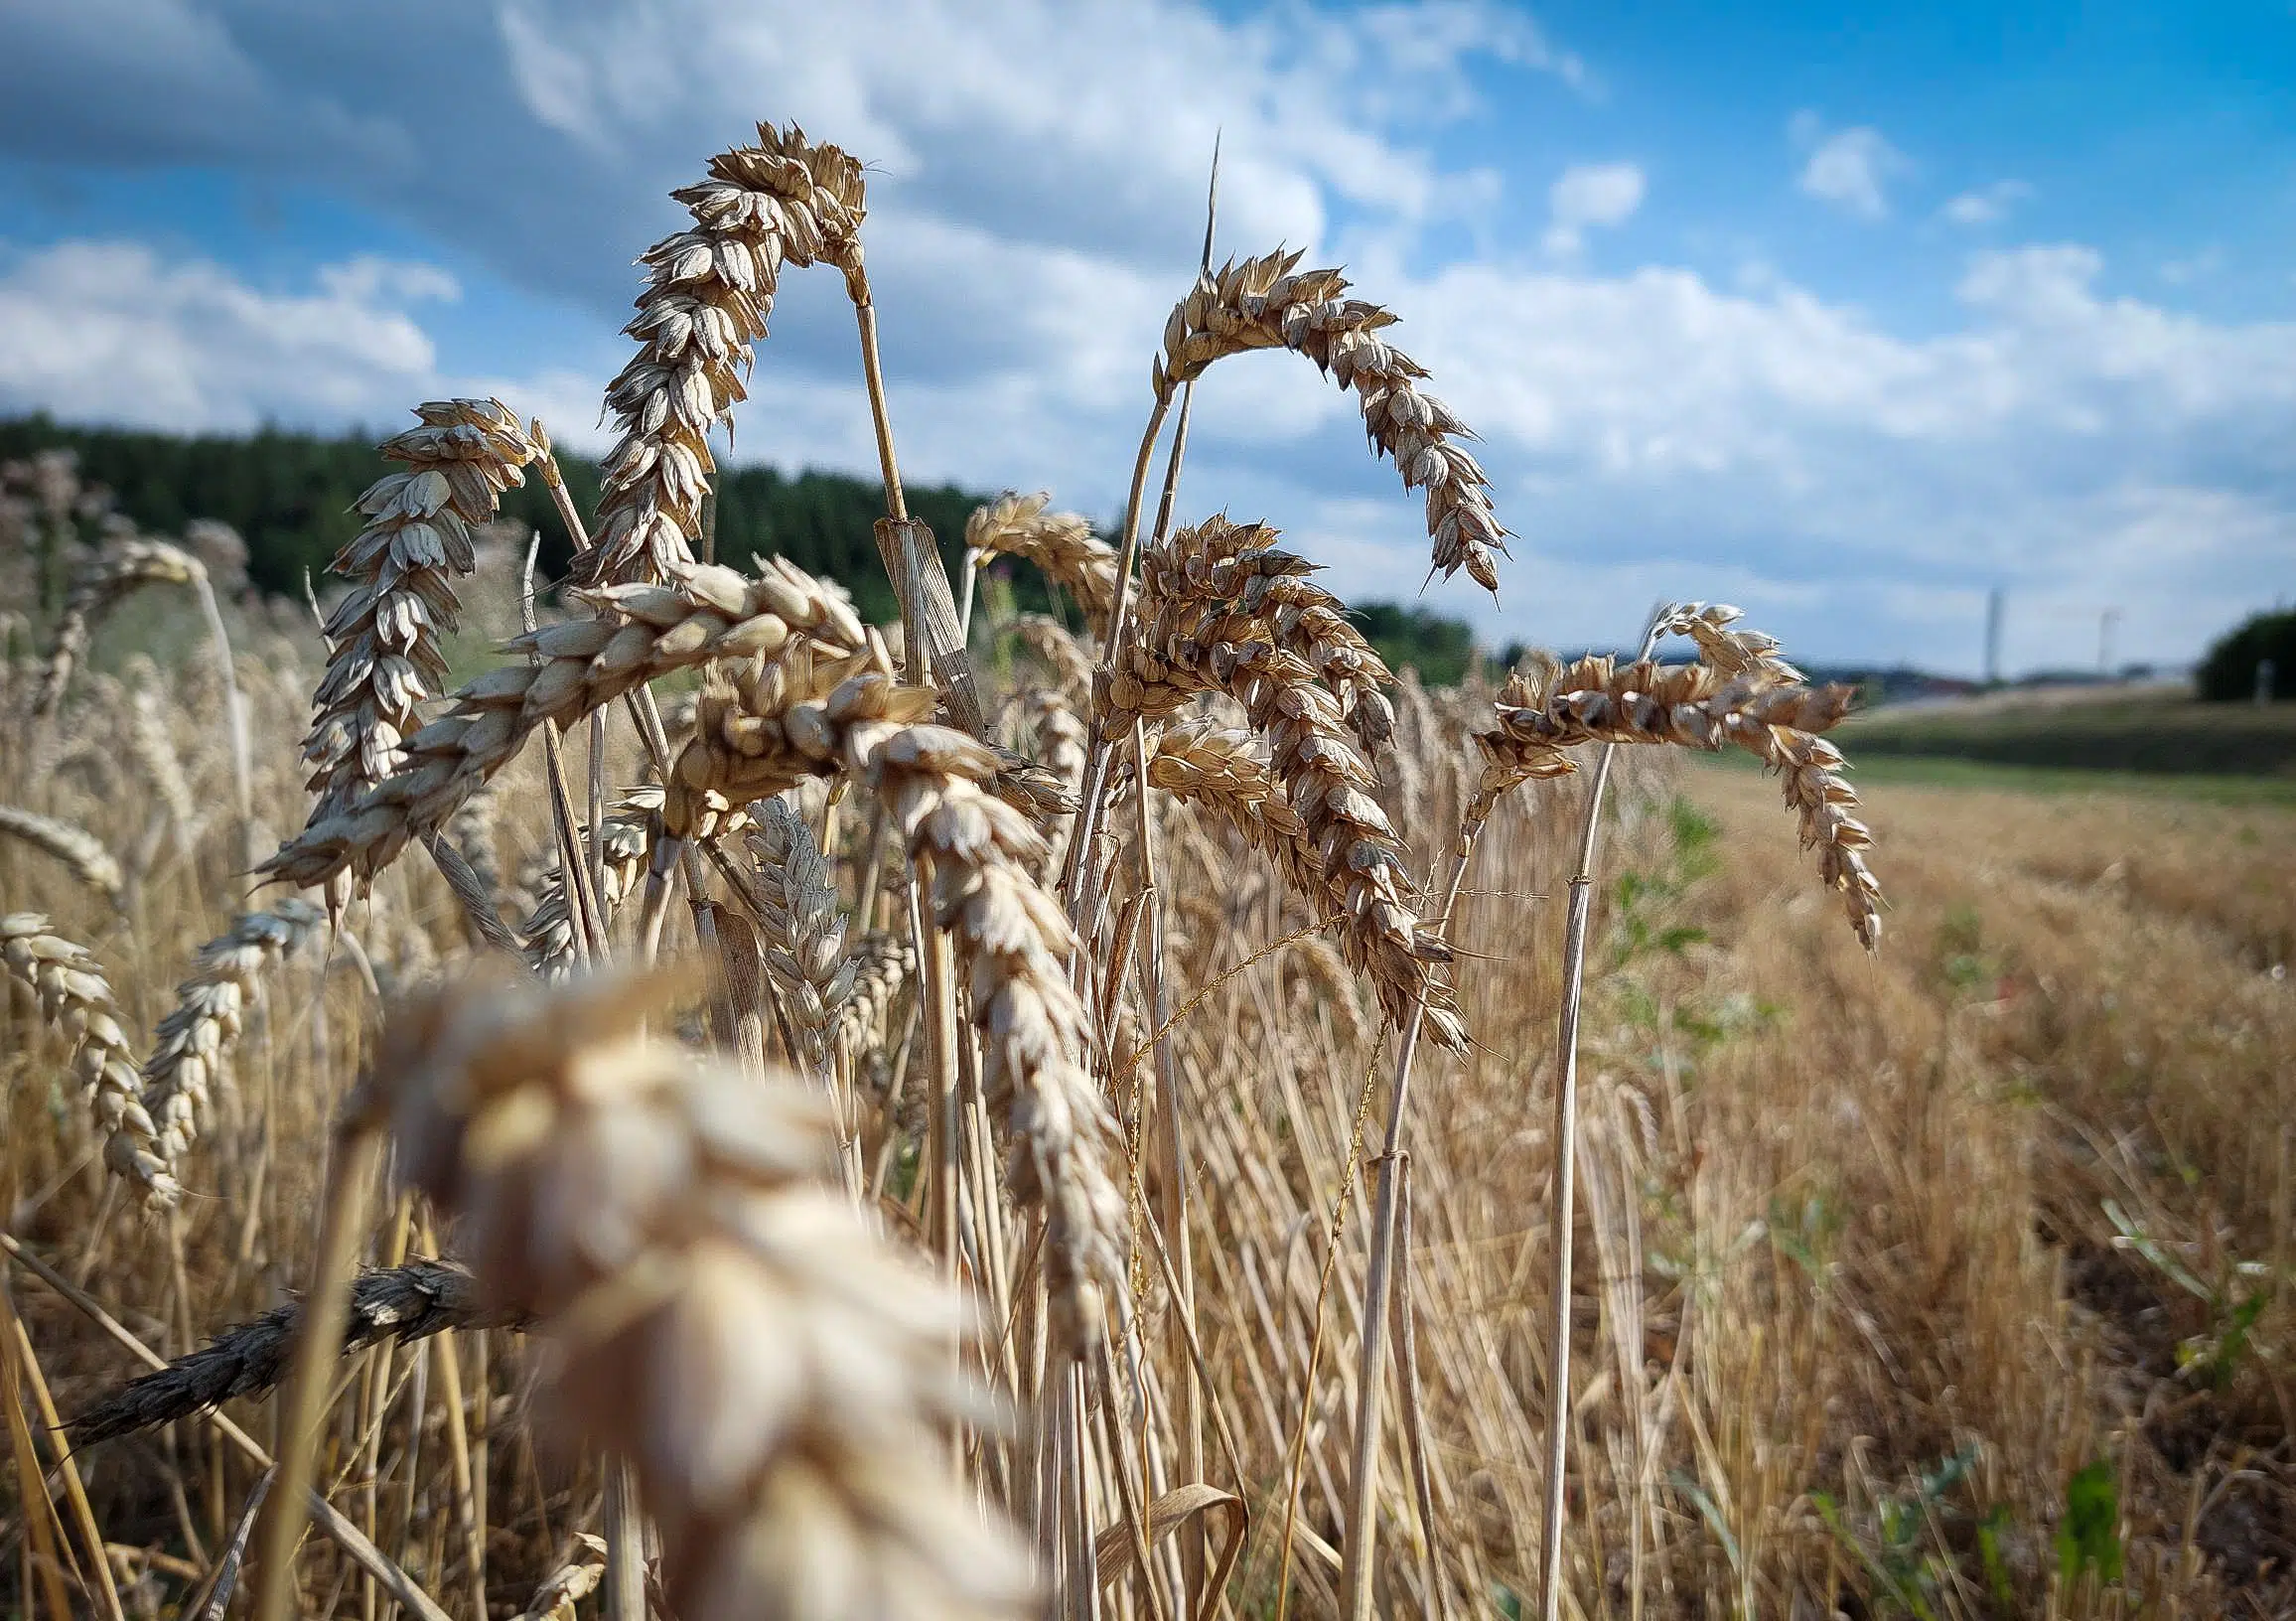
<point x="1138" y="1111"/>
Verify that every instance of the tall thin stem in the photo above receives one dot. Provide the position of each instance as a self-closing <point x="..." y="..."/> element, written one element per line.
<point x="1361" y="1528"/>
<point x="235" y="717"/>
<point x="325" y="1308"/>
<point x="1560" y="1213"/>
<point x="1560" y="1208"/>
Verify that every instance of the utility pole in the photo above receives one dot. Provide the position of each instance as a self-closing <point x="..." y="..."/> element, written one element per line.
<point x="1993" y="609"/>
<point x="2106" y="624"/>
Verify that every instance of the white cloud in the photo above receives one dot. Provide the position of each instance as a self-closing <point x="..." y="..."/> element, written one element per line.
<point x="1593" y="194"/>
<point x="107" y="331"/>
<point x="1036" y="193"/>
<point x="1986" y="205"/>
<point x="1851" y="169"/>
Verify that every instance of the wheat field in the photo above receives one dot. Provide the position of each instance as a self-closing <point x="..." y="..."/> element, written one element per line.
<point x="734" y="1110"/>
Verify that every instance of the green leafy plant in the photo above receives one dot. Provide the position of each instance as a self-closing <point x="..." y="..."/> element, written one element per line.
<point x="1903" y="1574"/>
<point x="2089" y="1534"/>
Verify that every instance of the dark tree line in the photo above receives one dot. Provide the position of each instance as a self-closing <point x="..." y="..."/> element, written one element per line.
<point x="2230" y="671"/>
<point x="290" y="494"/>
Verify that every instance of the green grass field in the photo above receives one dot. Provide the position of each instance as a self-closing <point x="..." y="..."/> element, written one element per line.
<point x="2160" y="732"/>
<point x="1869" y="769"/>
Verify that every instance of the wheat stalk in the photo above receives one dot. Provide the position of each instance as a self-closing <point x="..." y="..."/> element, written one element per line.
<point x="196" y="1037"/>
<point x="69" y="842"/>
<point x="384" y="657"/>
<point x="799" y="928"/>
<point x="768" y="725"/>
<point x="76" y="999"/>
<point x="627" y="835"/>
<point x="709" y="290"/>
<point x="725" y="1322"/>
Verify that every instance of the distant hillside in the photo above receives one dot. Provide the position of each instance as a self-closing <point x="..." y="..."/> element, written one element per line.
<point x="2159" y="728"/>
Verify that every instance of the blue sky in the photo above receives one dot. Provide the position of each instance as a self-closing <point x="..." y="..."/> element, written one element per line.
<point x="1846" y="322"/>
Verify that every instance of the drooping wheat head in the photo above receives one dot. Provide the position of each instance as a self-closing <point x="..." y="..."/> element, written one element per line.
<point x="765" y="725"/>
<point x="709" y="290"/>
<point x="195" y="1039"/>
<point x="1060" y="544"/>
<point x="77" y="1000"/>
<point x="384" y="657"/>
<point x="1197" y="636"/>
<point x="637" y="634"/>
<point x="1541" y="713"/>
<point x="80" y="851"/>
<point x="1270" y="303"/>
<point x="102" y="583"/>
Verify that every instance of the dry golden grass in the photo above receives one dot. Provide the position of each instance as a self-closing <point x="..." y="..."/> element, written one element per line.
<point x="1946" y="1281"/>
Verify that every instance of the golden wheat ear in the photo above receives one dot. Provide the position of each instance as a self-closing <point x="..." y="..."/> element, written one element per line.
<point x="77" y="1000"/>
<point x="1269" y="303"/>
<point x="725" y="1322"/>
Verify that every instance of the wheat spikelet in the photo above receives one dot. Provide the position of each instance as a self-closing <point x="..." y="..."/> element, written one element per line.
<point x="882" y="964"/>
<point x="1269" y="303"/>
<point x="69" y="844"/>
<point x="1061" y="652"/>
<point x="637" y="633"/>
<point x="773" y="1371"/>
<point x="628" y="833"/>
<point x="768" y="725"/>
<point x="405" y="1303"/>
<point x="75" y="999"/>
<point x="1733" y="652"/>
<point x="152" y="743"/>
<point x="1225" y="771"/>
<point x="100" y="585"/>
<point x="799" y="923"/>
<point x="708" y="293"/>
<point x="1197" y="635"/>
<point x="382" y="638"/>
<point x="195" y="1039"/>
<point x="1060" y="544"/>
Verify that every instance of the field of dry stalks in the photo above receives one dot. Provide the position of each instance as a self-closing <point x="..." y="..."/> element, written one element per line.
<point x="735" y="1111"/>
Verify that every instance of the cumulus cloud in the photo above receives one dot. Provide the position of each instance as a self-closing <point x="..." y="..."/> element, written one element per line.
<point x="1986" y="205"/>
<point x="1849" y="169"/>
<point x="1651" y="432"/>
<point x="110" y="330"/>
<point x="107" y="331"/>
<point x="1592" y="193"/>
